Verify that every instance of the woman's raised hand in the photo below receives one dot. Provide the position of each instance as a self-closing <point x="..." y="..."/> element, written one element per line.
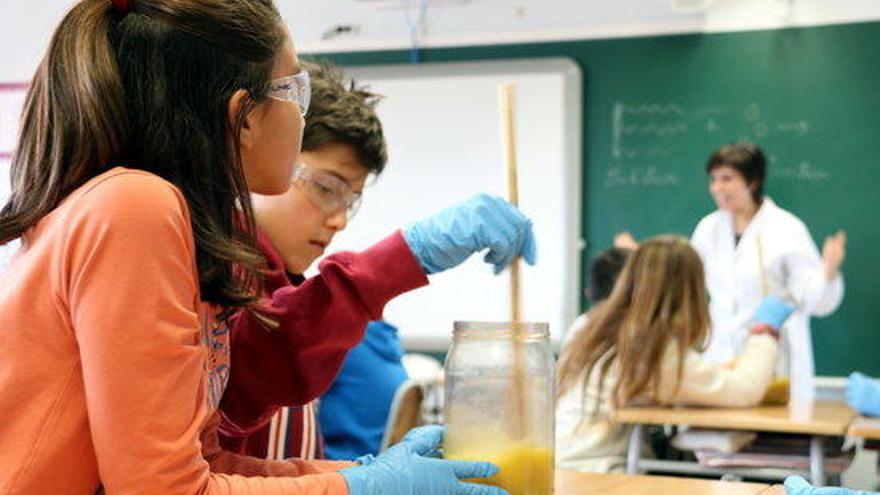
<point x="625" y="240"/>
<point x="833" y="253"/>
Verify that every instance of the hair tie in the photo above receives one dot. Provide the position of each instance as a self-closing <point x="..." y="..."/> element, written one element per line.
<point x="120" y="6"/>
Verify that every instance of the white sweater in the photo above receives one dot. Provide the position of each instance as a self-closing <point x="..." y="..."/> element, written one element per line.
<point x="586" y="442"/>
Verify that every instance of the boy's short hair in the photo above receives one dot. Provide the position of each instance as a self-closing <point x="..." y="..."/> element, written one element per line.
<point x="343" y="112"/>
<point x="604" y="269"/>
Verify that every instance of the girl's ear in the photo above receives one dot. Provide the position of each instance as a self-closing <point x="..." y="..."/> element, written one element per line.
<point x="249" y="128"/>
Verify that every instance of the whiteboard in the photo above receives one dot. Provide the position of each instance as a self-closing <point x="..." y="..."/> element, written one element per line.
<point x="443" y="129"/>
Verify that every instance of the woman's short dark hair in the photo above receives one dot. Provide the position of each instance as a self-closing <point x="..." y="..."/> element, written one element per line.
<point x="746" y="158"/>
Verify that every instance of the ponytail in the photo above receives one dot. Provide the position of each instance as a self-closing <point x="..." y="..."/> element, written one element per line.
<point x="74" y="118"/>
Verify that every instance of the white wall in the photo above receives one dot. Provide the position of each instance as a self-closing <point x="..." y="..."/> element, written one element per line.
<point x="474" y="22"/>
<point x="25" y="27"/>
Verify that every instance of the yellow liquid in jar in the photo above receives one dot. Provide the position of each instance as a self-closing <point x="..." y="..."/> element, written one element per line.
<point x="777" y="393"/>
<point x="523" y="469"/>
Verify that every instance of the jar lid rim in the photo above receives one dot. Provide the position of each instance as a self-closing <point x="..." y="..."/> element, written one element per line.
<point x="502" y="328"/>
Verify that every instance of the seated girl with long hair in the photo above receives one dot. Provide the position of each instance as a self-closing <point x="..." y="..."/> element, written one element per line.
<point x="642" y="345"/>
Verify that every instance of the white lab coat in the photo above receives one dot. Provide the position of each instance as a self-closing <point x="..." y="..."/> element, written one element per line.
<point x="775" y="255"/>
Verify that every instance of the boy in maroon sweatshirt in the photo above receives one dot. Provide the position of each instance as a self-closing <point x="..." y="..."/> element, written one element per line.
<point x="281" y="363"/>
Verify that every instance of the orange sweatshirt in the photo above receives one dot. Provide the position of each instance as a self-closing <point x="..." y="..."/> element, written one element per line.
<point x="110" y="366"/>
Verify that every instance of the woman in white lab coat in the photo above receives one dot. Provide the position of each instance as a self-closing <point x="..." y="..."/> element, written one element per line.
<point x="751" y="248"/>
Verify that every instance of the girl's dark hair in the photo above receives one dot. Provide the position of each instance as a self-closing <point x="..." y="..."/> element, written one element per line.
<point x="149" y="89"/>
<point x="604" y="269"/>
<point x="747" y="159"/>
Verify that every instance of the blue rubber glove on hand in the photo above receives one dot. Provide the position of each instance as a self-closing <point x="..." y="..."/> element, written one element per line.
<point x="449" y="237"/>
<point x="795" y="485"/>
<point x="404" y="469"/>
<point x="863" y="394"/>
<point x="773" y="311"/>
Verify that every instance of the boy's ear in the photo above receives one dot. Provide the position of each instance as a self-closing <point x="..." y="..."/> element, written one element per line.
<point x="247" y="136"/>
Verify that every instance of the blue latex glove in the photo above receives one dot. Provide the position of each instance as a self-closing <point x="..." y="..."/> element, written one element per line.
<point x="773" y="311"/>
<point x="795" y="485"/>
<point x="863" y="394"/>
<point x="449" y="237"/>
<point x="404" y="469"/>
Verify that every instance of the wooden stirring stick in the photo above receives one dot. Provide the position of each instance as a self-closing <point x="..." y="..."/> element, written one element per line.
<point x="508" y="140"/>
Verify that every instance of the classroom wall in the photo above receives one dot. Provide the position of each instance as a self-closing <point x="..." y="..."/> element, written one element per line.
<point x="25" y="27"/>
<point x="25" y="30"/>
<point x="847" y="340"/>
<point x="808" y="94"/>
<point x="480" y="22"/>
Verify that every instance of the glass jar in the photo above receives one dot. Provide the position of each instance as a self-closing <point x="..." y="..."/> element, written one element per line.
<point x="779" y="390"/>
<point x="499" y="404"/>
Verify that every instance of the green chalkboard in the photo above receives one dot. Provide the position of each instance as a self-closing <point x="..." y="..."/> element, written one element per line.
<point x="655" y="107"/>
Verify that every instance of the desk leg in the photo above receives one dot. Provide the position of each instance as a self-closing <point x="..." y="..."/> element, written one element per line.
<point x="634" y="451"/>
<point x="817" y="461"/>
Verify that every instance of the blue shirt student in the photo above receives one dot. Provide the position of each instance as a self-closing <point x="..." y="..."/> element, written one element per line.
<point x="353" y="413"/>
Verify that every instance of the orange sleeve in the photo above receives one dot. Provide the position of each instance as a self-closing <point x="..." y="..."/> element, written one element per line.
<point x="131" y="289"/>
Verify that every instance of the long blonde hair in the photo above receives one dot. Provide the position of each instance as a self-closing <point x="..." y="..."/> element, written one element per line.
<point x="659" y="298"/>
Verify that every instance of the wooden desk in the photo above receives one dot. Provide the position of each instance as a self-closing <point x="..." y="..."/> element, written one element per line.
<point x="818" y="419"/>
<point x="865" y="428"/>
<point x="576" y="483"/>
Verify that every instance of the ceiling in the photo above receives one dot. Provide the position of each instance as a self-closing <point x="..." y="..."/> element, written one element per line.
<point x="25" y="27"/>
<point x="383" y="24"/>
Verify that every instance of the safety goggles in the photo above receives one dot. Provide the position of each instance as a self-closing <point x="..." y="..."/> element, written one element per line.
<point x="296" y="88"/>
<point x="328" y="192"/>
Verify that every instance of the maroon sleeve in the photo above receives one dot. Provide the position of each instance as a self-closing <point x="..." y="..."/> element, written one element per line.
<point x="318" y="323"/>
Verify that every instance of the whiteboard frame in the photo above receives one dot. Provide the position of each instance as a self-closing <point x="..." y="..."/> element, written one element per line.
<point x="572" y="152"/>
